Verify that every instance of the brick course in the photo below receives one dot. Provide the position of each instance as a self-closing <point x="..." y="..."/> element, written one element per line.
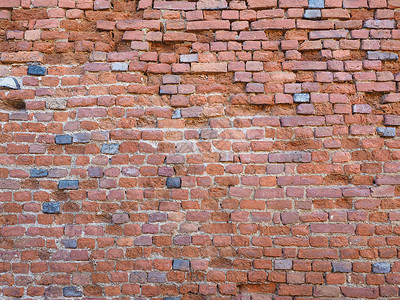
<point x="211" y="149"/>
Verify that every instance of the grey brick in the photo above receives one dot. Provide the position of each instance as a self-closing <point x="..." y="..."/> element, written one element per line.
<point x="188" y="58"/>
<point x="119" y="66"/>
<point x="176" y="114"/>
<point x="381" y="267"/>
<point x="110" y="148"/>
<point x="312" y="14"/>
<point x="181" y="264"/>
<point x="173" y="182"/>
<point x="70" y="244"/>
<point x="283" y="264"/>
<point x="316" y="3"/>
<point x="386" y="131"/>
<point x="301" y="98"/>
<point x="138" y="276"/>
<point x="341" y="267"/>
<point x="120" y="218"/>
<point x="51" y="207"/>
<point x="36" y="70"/>
<point x="377" y="55"/>
<point x="21" y="116"/>
<point x="208" y="134"/>
<point x="168" y="89"/>
<point x="81" y="138"/>
<point x="68" y="185"/>
<point x="37" y="173"/>
<point x="156" y="277"/>
<point x="71" y="291"/>
<point x="63" y="139"/>
<point x="95" y="172"/>
<point x="171" y="298"/>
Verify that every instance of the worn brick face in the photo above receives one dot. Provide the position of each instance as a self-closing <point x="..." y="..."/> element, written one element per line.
<point x="210" y="149"/>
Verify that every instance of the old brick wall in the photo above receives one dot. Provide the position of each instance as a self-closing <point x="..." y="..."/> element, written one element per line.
<point x="205" y="149"/>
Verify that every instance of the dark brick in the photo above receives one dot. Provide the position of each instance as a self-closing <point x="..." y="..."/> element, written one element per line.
<point x="68" y="185"/>
<point x="38" y="173"/>
<point x="51" y="207"/>
<point x="71" y="291"/>
<point x="63" y="139"/>
<point x="173" y="182"/>
<point x="381" y="267"/>
<point x="70" y="244"/>
<point x="110" y="148"/>
<point x="36" y="70"/>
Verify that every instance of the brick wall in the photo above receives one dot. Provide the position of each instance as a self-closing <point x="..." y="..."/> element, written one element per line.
<point x="207" y="149"/>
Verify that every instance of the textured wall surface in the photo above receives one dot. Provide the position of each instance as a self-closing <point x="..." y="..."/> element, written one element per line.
<point x="204" y="149"/>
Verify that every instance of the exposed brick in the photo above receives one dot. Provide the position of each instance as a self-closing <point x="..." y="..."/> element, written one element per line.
<point x="158" y="149"/>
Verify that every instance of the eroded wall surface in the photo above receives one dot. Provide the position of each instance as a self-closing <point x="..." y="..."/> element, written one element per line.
<point x="207" y="149"/>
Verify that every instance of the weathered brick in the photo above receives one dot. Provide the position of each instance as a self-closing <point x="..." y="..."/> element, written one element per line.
<point x="36" y="70"/>
<point x="209" y="67"/>
<point x="392" y="120"/>
<point x="174" y="182"/>
<point x="38" y="173"/>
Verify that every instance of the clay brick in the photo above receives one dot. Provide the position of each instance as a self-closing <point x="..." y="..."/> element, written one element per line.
<point x="169" y="132"/>
<point x="139" y="25"/>
<point x="208" y="25"/>
<point x="273" y="24"/>
<point x="209" y="67"/>
<point x="174" y="5"/>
